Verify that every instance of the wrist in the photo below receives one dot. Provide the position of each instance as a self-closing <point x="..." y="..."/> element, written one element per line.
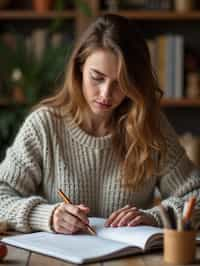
<point x="52" y="218"/>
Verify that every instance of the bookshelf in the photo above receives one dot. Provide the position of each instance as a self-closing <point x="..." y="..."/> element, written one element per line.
<point x="151" y="22"/>
<point x="72" y="14"/>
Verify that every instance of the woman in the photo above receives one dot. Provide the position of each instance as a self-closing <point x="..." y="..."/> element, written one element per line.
<point x="101" y="139"/>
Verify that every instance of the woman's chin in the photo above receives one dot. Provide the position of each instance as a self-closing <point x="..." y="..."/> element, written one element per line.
<point x="100" y="112"/>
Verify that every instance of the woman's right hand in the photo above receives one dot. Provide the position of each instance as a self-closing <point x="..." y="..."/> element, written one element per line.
<point x="70" y="219"/>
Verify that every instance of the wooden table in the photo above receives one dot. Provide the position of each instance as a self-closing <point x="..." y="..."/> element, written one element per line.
<point x="19" y="257"/>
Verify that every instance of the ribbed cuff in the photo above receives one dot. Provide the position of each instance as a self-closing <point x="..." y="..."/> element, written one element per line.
<point x="156" y="214"/>
<point x="40" y="217"/>
<point x="25" y="207"/>
<point x="175" y="203"/>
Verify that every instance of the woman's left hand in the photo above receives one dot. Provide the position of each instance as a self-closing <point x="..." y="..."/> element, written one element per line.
<point x="130" y="216"/>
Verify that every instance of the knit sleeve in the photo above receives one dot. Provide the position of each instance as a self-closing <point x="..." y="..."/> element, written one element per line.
<point x="20" y="178"/>
<point x="180" y="177"/>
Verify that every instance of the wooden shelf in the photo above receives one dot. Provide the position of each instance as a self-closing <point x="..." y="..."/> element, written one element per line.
<point x="137" y="15"/>
<point x="30" y="14"/>
<point x="180" y="102"/>
<point x="160" y="15"/>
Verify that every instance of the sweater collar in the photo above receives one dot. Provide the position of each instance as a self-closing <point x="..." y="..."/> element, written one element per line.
<point x="79" y="135"/>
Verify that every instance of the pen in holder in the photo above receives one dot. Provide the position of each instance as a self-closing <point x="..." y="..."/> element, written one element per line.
<point x="179" y="236"/>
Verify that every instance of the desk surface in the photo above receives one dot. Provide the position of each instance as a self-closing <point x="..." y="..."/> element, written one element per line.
<point x="19" y="257"/>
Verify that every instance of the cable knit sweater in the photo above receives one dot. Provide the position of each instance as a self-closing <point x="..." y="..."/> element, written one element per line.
<point x="51" y="153"/>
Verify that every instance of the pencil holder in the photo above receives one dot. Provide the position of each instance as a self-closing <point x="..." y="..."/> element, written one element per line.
<point x="179" y="247"/>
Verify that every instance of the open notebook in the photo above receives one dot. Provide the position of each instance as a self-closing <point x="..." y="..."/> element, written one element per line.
<point x="82" y="248"/>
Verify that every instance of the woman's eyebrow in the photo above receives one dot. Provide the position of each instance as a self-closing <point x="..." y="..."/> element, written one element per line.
<point x="98" y="72"/>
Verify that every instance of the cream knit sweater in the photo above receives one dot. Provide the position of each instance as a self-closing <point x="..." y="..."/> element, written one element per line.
<point x="51" y="153"/>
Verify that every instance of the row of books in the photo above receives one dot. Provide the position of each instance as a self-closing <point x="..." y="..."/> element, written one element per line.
<point x="147" y="4"/>
<point x="167" y="55"/>
<point x="179" y="5"/>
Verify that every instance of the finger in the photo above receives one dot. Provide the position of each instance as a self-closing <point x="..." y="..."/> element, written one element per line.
<point x="136" y="221"/>
<point x="124" y="215"/>
<point x="60" y="226"/>
<point x="61" y="230"/>
<point x="72" y="221"/>
<point x="115" y="214"/>
<point x="125" y="219"/>
<point x="84" y="208"/>
<point x="68" y="230"/>
<point x="77" y="212"/>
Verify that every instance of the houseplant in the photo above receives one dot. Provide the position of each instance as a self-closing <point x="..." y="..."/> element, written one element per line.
<point x="37" y="80"/>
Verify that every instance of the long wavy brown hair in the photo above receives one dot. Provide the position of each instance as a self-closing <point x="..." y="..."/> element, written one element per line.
<point x="137" y="136"/>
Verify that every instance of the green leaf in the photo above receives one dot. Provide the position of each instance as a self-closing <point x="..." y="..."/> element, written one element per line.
<point x="84" y="7"/>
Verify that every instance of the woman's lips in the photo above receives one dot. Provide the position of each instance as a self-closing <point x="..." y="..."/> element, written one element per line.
<point x="103" y="105"/>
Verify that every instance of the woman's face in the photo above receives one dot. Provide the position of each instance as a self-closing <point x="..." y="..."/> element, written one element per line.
<point x="100" y="85"/>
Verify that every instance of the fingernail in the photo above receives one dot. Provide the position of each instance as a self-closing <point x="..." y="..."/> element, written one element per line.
<point x="132" y="224"/>
<point x="113" y="225"/>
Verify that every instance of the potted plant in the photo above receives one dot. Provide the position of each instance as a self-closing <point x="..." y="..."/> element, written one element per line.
<point x="20" y="69"/>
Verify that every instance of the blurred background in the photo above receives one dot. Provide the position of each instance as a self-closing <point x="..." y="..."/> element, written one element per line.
<point x="37" y="36"/>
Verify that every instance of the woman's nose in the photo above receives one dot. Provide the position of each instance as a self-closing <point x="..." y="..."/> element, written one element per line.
<point x="105" y="91"/>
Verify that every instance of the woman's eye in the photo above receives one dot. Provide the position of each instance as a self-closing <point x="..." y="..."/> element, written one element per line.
<point x="96" y="78"/>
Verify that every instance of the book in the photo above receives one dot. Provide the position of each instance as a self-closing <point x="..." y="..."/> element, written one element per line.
<point x="179" y="66"/>
<point x="83" y="248"/>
